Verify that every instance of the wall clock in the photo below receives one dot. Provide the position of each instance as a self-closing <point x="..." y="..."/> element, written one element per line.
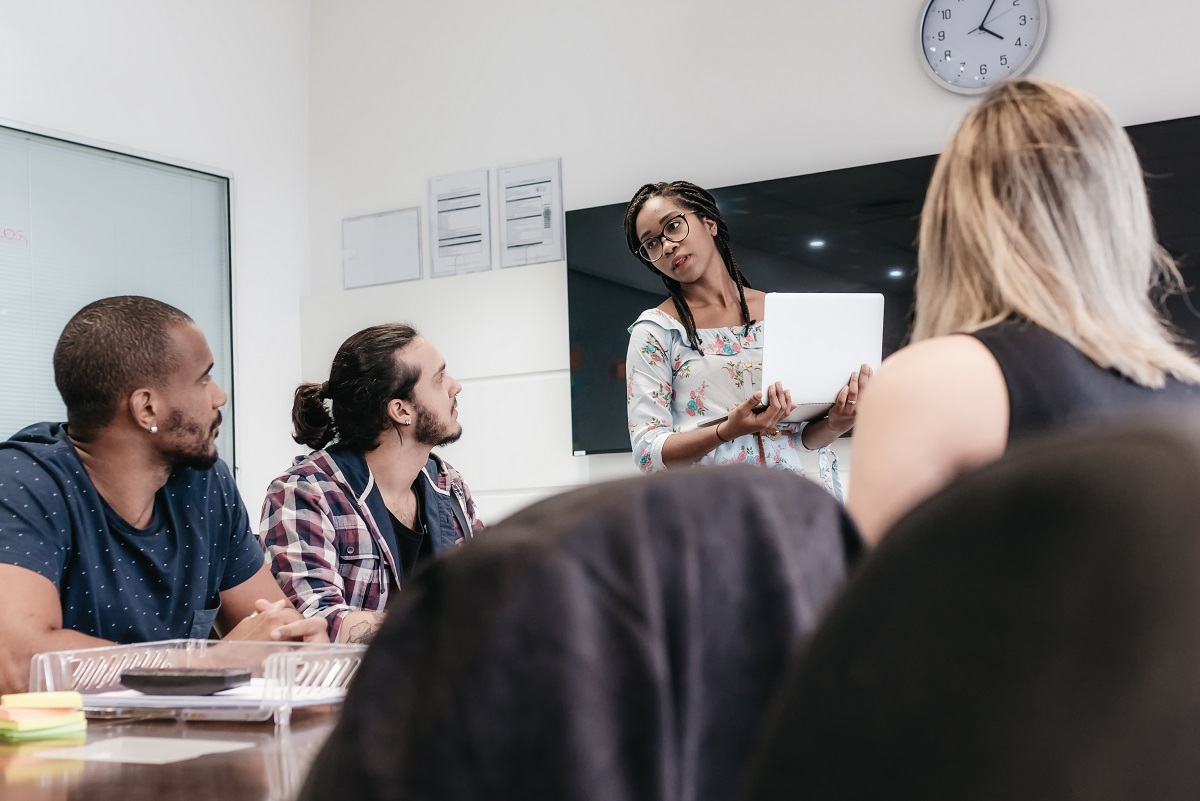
<point x="968" y="46"/>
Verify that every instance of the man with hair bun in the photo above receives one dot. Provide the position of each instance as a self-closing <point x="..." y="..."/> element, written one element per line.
<point x="371" y="502"/>
<point x="122" y="525"/>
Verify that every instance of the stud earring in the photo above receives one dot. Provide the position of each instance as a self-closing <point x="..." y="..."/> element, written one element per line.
<point x="406" y="423"/>
<point x="153" y="429"/>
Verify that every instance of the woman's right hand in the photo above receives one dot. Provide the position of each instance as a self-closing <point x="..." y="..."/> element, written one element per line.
<point x="751" y="416"/>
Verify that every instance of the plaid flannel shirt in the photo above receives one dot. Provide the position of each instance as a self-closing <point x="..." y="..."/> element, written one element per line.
<point x="324" y="543"/>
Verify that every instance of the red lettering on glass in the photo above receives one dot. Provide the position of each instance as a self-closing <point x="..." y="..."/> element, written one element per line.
<point x="13" y="235"/>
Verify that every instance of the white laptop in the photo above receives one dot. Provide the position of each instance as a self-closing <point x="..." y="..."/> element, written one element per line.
<point x="812" y="342"/>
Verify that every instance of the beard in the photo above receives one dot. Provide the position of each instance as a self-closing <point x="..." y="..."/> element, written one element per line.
<point x="191" y="443"/>
<point x="431" y="431"/>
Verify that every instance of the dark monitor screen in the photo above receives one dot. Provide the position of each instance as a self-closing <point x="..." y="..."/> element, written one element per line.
<point x="847" y="230"/>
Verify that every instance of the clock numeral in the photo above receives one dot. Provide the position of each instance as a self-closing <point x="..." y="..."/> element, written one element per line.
<point x="1018" y="42"/>
<point x="947" y="55"/>
<point x="1003" y="61"/>
<point x="983" y="69"/>
<point x="1016" y="2"/>
<point x="945" y="12"/>
<point x="941" y="36"/>
<point x="1024" y="19"/>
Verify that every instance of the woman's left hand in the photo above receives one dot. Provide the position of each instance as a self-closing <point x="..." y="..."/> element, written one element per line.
<point x="845" y="407"/>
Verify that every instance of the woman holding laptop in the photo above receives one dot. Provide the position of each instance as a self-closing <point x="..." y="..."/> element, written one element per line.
<point x="698" y="355"/>
<point x="1034" y="308"/>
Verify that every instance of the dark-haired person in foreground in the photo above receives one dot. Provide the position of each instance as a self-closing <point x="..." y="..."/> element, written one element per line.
<point x="351" y="519"/>
<point x="123" y="525"/>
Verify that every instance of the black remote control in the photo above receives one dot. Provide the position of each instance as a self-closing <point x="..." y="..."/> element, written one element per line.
<point x="183" y="681"/>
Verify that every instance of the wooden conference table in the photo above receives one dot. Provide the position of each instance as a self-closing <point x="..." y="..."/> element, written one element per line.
<point x="273" y="769"/>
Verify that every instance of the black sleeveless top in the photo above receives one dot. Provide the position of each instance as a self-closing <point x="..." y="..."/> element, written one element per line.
<point x="1052" y="385"/>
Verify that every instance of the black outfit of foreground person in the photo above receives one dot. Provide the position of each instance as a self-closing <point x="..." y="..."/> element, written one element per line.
<point x="620" y="641"/>
<point x="1032" y="632"/>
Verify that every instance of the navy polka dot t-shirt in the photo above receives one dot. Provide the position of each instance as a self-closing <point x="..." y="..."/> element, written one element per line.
<point x="117" y="582"/>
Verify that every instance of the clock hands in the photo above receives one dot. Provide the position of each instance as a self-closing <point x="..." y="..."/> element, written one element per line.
<point x="983" y="25"/>
<point x="986" y="30"/>
<point x="1002" y="14"/>
<point x="985" y="16"/>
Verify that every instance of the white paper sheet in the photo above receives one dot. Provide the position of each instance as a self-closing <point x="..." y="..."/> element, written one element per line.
<point x="250" y="695"/>
<point x="382" y="248"/>
<point x="145" y="750"/>
<point x="531" y="228"/>
<point x="460" y="223"/>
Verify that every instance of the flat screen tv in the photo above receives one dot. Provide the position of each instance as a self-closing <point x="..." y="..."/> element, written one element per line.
<point x="847" y="230"/>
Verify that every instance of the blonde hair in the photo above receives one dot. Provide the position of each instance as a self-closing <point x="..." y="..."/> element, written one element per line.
<point x="1037" y="209"/>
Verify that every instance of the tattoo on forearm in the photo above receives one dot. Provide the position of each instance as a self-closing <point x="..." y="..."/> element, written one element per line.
<point x="363" y="632"/>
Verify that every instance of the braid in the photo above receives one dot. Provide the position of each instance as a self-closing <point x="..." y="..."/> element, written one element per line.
<point x="735" y="272"/>
<point x="703" y="203"/>
<point x="685" y="312"/>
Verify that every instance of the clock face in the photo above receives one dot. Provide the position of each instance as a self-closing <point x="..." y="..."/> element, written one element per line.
<point x="970" y="45"/>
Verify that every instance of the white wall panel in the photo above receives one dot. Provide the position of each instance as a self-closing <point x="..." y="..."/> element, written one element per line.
<point x="517" y="434"/>
<point x="485" y="325"/>
<point x="627" y="92"/>
<point x="221" y="84"/>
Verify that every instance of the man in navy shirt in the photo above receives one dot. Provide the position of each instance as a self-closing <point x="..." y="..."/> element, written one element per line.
<point x="122" y="525"/>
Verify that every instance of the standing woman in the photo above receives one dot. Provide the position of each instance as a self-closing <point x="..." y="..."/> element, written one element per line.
<point x="1034" y="302"/>
<point x="698" y="355"/>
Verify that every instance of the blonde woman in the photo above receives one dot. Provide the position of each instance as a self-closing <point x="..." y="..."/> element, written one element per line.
<point x="1034" y="306"/>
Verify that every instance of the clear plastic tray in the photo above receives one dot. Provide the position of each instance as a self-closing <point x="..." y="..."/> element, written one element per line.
<point x="286" y="676"/>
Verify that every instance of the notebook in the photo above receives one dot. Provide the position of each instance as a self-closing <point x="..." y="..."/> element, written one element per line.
<point x="812" y="342"/>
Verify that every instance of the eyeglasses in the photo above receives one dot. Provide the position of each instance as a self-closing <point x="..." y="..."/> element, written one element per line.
<point x="675" y="230"/>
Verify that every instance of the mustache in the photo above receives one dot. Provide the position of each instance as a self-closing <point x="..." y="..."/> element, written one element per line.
<point x="217" y="424"/>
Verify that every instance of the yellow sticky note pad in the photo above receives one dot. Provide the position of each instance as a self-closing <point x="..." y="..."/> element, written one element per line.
<point x="60" y="699"/>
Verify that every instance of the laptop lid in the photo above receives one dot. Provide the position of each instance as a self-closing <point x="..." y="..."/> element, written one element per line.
<point x="812" y="342"/>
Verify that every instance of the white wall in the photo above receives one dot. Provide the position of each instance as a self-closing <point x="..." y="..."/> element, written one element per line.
<point x="628" y="91"/>
<point x="221" y="84"/>
<point x="350" y="106"/>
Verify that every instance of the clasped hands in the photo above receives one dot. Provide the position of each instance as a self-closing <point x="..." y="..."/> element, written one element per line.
<point x="279" y="621"/>
<point x="753" y="416"/>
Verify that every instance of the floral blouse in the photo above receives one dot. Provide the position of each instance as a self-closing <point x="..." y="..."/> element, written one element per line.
<point x="669" y="387"/>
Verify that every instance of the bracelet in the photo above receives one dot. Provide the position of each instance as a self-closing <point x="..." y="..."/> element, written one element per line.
<point x="717" y="431"/>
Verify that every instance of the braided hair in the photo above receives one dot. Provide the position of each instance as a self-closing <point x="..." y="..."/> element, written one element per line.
<point x="702" y="203"/>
